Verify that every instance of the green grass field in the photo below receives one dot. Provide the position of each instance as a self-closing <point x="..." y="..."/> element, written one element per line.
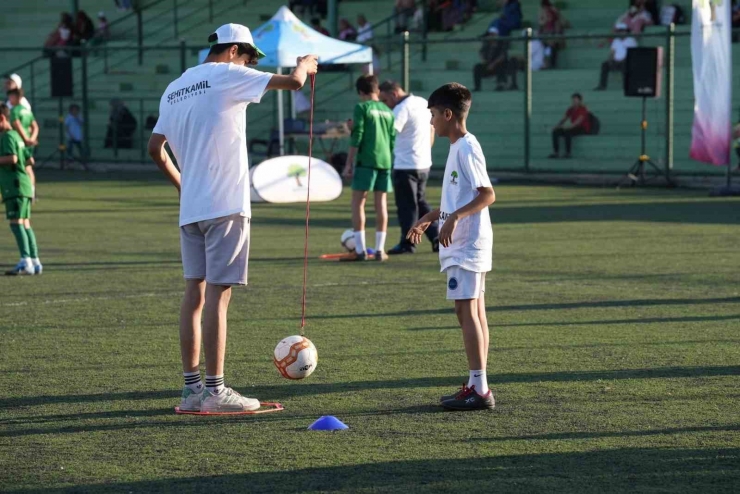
<point x="615" y="351"/>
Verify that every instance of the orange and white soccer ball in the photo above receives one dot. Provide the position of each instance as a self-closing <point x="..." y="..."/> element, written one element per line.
<point x="296" y="357"/>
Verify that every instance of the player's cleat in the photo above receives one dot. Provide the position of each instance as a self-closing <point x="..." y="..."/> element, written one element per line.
<point x="460" y="391"/>
<point x="190" y="401"/>
<point x="38" y="269"/>
<point x="23" y="268"/>
<point x="470" y="400"/>
<point x="401" y="249"/>
<point x="353" y="257"/>
<point x="227" y="400"/>
<point x="381" y="256"/>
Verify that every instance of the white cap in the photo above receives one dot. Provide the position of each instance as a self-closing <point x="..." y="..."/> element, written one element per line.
<point x="234" y="33"/>
<point x="621" y="26"/>
<point x="17" y="79"/>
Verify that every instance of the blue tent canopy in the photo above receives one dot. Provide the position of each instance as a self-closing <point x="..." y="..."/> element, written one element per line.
<point x="285" y="38"/>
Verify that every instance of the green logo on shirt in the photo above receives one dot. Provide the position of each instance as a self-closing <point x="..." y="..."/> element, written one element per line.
<point x="453" y="180"/>
<point x="297" y="171"/>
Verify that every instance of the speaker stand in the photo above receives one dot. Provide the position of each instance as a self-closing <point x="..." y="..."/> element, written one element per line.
<point x="637" y="175"/>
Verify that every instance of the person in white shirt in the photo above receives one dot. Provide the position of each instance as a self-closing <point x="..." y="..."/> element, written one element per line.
<point x="202" y="118"/>
<point x="364" y="29"/>
<point x="14" y="81"/>
<point x="465" y="237"/>
<point x="412" y="160"/>
<point x="617" y="56"/>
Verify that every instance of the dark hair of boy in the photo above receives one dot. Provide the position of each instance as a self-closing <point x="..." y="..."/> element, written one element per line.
<point x="14" y="92"/>
<point x="454" y="97"/>
<point x="577" y="95"/>
<point x="389" y="86"/>
<point x="367" y="84"/>
<point x="242" y="48"/>
<point x="4" y="110"/>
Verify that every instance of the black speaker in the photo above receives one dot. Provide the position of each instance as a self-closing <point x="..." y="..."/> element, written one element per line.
<point x="643" y="71"/>
<point x="62" y="83"/>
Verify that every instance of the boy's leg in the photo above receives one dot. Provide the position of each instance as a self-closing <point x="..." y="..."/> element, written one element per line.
<point x="191" y="311"/>
<point x="358" y="219"/>
<point x="473" y="338"/>
<point x="21" y="238"/>
<point x="215" y="312"/>
<point x="381" y="220"/>
<point x="483" y="318"/>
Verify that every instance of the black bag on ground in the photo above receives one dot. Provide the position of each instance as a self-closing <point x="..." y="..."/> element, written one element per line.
<point x="595" y="124"/>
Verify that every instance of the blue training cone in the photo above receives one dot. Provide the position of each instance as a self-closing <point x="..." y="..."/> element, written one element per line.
<point x="370" y="251"/>
<point x="328" y="423"/>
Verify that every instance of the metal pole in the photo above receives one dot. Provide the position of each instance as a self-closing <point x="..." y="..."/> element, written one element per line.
<point x="174" y="12"/>
<point x="140" y="36"/>
<point x="75" y="8"/>
<point x="527" y="96"/>
<point x="424" y="6"/>
<point x="281" y="123"/>
<point x="141" y="129"/>
<point x="210" y="10"/>
<point x="62" y="147"/>
<point x="669" y="72"/>
<point x="405" y="62"/>
<point x="183" y="62"/>
<point x="333" y="17"/>
<point x="85" y="110"/>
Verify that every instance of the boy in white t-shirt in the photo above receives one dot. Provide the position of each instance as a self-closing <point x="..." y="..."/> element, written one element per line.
<point x="465" y="238"/>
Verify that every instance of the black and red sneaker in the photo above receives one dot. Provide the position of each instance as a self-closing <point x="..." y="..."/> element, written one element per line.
<point x="462" y="390"/>
<point x="469" y="399"/>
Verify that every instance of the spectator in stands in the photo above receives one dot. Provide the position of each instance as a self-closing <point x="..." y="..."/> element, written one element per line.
<point x="316" y="25"/>
<point x="495" y="60"/>
<point x="346" y="31"/>
<point x="510" y="19"/>
<point x="103" y="32"/>
<point x="551" y="23"/>
<point x="121" y="126"/>
<point x="14" y="81"/>
<point x="73" y="126"/>
<point x="364" y="29"/>
<point x="651" y="7"/>
<point x="636" y="18"/>
<point x="62" y="35"/>
<point x="580" y="124"/>
<point x="124" y="5"/>
<point x="84" y="27"/>
<point x="306" y="6"/>
<point x="404" y="11"/>
<point x="617" y="55"/>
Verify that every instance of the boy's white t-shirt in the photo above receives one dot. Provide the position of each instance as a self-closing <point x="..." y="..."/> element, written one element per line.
<point x="202" y="115"/>
<point x="413" y="147"/>
<point x="472" y="240"/>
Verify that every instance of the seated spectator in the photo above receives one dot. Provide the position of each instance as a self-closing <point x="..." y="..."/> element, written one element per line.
<point x="404" y="11"/>
<point x="580" y="124"/>
<point x="551" y="23"/>
<point x="495" y="61"/>
<point x="617" y="55"/>
<point x="316" y="25"/>
<point x="651" y="7"/>
<point x="62" y="35"/>
<point x="121" y="126"/>
<point x="364" y="29"/>
<point x="103" y="32"/>
<point x="346" y="31"/>
<point x="84" y="27"/>
<point x="636" y="18"/>
<point x="510" y="19"/>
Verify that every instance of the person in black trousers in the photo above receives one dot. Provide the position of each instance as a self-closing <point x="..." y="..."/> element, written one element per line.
<point x="580" y="124"/>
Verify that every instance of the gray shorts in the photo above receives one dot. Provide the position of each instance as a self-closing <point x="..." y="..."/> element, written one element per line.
<point x="216" y="250"/>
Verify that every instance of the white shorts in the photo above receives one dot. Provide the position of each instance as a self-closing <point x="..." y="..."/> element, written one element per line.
<point x="216" y="250"/>
<point x="463" y="284"/>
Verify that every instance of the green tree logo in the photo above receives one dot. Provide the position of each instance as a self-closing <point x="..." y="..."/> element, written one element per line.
<point x="454" y="177"/>
<point x="297" y="171"/>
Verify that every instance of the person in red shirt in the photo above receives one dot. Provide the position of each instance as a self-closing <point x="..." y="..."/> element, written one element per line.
<point x="580" y="124"/>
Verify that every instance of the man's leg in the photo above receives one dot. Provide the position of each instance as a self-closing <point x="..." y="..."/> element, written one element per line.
<point x="556" y="140"/>
<point x="604" y="77"/>
<point x="478" y="74"/>
<point x="407" y="209"/>
<point x="432" y="232"/>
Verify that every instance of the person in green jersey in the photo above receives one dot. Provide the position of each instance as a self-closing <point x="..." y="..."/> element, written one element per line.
<point x="23" y="122"/>
<point x="369" y="163"/>
<point x="17" y="190"/>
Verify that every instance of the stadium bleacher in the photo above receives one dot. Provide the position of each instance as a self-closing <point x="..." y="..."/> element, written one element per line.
<point x="497" y="118"/>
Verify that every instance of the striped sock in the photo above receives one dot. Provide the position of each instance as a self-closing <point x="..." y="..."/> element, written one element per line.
<point x="192" y="381"/>
<point x="215" y="384"/>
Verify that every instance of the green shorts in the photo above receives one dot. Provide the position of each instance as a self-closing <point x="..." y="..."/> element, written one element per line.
<point x="18" y="208"/>
<point x="372" y="180"/>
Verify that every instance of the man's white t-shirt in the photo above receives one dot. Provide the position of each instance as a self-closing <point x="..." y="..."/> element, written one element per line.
<point x="472" y="240"/>
<point x="620" y="46"/>
<point x="413" y="148"/>
<point x="202" y="115"/>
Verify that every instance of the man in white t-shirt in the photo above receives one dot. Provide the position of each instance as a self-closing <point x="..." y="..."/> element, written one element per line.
<point x="465" y="238"/>
<point x="14" y="81"/>
<point x="412" y="159"/>
<point x="617" y="56"/>
<point x="202" y="118"/>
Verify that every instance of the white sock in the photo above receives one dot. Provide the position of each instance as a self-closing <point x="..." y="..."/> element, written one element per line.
<point x="36" y="261"/>
<point x="192" y="381"/>
<point x="27" y="261"/>
<point x="478" y="379"/>
<point x="380" y="241"/>
<point x="215" y="384"/>
<point x="360" y="242"/>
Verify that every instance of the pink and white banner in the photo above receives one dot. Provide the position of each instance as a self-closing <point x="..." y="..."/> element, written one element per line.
<point x="711" y="134"/>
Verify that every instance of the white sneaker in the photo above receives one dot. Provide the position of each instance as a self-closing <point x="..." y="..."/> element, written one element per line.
<point x="24" y="267"/>
<point x="190" y="401"/>
<point x="227" y="400"/>
<point x="37" y="267"/>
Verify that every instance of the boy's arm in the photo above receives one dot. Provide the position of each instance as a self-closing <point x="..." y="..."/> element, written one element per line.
<point x="486" y="196"/>
<point x="16" y="124"/>
<point x="34" y="131"/>
<point x="358" y="132"/>
<point x="9" y="160"/>
<point x="414" y="235"/>
<point x="159" y="155"/>
<point x="349" y="167"/>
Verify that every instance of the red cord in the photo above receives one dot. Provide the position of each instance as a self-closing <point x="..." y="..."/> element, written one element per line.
<point x="308" y="206"/>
